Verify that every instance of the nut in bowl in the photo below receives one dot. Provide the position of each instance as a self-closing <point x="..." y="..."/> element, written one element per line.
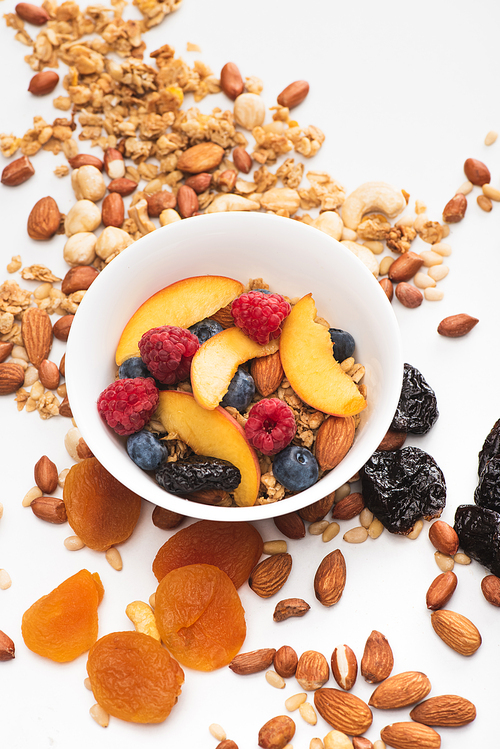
<point x="297" y="261"/>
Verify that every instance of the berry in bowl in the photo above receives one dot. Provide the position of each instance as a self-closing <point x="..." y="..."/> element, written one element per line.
<point x="234" y="366"/>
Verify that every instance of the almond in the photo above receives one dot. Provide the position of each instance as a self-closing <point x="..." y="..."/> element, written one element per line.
<point x="267" y="373"/>
<point x="160" y="201"/>
<point x="387" y="288"/>
<point x="405" y="267"/>
<point x="276" y="733"/>
<point x="224" y="317"/>
<point x="290" y="607"/>
<point x="400" y="690"/>
<point x="458" y="632"/>
<point x="317" y="510"/>
<point x="32" y="13"/>
<point x="330" y="578"/>
<point x="455" y="209"/>
<point x="253" y="662"/>
<point x="334" y="439"/>
<point x="269" y="576"/>
<point x="11" y="377"/>
<point x="7" y="647"/>
<point x="199" y="182"/>
<point x="447" y="710"/>
<point x="407" y="735"/>
<point x="455" y="326"/>
<point x="290" y="525"/>
<point x="200" y="158"/>
<point x="342" y="710"/>
<point x="377" y="661"/>
<point x="85" y="159"/>
<point x="5" y="350"/>
<point x="441" y="590"/>
<point x="285" y="661"/>
<point x="361" y="742"/>
<point x="79" y="278"/>
<point x="65" y="408"/>
<point x="17" y="172"/>
<point x="49" y="374"/>
<point x="242" y="160"/>
<point x="123" y="186"/>
<point x="312" y="670"/>
<point x="113" y="210"/>
<point x="114" y="163"/>
<point x="344" y="667"/>
<point x="444" y="538"/>
<point x="166" y="519"/>
<point x="62" y="327"/>
<point x="210" y="497"/>
<point x="46" y="475"/>
<point x="477" y="172"/>
<point x="231" y="81"/>
<point x="187" y="201"/>
<point x="393" y="440"/>
<point x="293" y="94"/>
<point x="409" y="295"/>
<point x="36" y="332"/>
<point x="62" y="365"/>
<point x="50" y="509"/>
<point x="490" y="587"/>
<point x="348" y="507"/>
<point x="43" y="83"/>
<point x="44" y="219"/>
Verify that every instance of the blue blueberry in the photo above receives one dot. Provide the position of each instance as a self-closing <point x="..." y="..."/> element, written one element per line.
<point x="263" y="291"/>
<point x="133" y="367"/>
<point x="343" y="344"/>
<point x="241" y="390"/>
<point x="146" y="450"/>
<point x="205" y="329"/>
<point x="296" y="468"/>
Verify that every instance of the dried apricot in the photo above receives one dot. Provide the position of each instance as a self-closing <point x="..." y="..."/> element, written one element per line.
<point x="133" y="677"/>
<point x="200" y="617"/>
<point x="234" y="548"/>
<point x="63" y="624"/>
<point x="100" y="509"/>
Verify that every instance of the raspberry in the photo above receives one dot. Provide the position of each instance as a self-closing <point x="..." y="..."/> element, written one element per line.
<point x="259" y="315"/>
<point x="128" y="404"/>
<point x="270" y="426"/>
<point x="167" y="352"/>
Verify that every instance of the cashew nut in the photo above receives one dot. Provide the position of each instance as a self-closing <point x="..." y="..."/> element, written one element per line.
<point x="372" y="196"/>
<point x="111" y="242"/>
<point x="139" y="212"/>
<point x="88" y="183"/>
<point x="231" y="202"/>
<point x="364" y="254"/>
<point x="83" y="216"/>
<point x="331" y="223"/>
<point x="80" y="248"/>
<point x="280" y="199"/>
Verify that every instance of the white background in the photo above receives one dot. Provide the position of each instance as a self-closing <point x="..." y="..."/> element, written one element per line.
<point x="404" y="93"/>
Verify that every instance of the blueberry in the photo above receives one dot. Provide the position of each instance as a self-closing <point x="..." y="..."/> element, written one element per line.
<point x="343" y="344"/>
<point x="205" y="329"/>
<point x="133" y="367"/>
<point x="146" y="451"/>
<point x="296" y="468"/>
<point x="241" y="390"/>
<point x="263" y="291"/>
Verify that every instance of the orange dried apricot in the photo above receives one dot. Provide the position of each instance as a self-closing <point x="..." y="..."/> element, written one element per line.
<point x="63" y="624"/>
<point x="199" y="616"/>
<point x="233" y="547"/>
<point x="133" y="677"/>
<point x="100" y="509"/>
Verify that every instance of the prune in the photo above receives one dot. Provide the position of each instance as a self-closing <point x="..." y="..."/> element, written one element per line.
<point x="491" y="446"/>
<point x="417" y="409"/>
<point x="478" y="529"/>
<point x="487" y="493"/>
<point x="198" y="472"/>
<point x="401" y="486"/>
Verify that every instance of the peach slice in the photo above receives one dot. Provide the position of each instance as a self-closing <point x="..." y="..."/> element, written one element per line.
<point x="215" y="363"/>
<point x="214" y="433"/>
<point x="307" y="358"/>
<point x="183" y="303"/>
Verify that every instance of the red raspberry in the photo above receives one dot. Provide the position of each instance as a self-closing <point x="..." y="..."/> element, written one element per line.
<point x="167" y="352"/>
<point x="270" y="426"/>
<point x="128" y="404"/>
<point x="260" y="315"/>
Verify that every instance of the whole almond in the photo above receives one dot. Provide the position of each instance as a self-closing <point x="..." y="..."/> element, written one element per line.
<point x="334" y="439"/>
<point x="187" y="201"/>
<point x="276" y="733"/>
<point x="242" y="160"/>
<point x="269" y="576"/>
<point x="209" y="497"/>
<point x="290" y="525"/>
<point x="285" y="661"/>
<point x="5" y="350"/>
<point x="344" y="667"/>
<point x="392" y="440"/>
<point x="166" y="519"/>
<point x="253" y="662"/>
<point x="455" y="209"/>
<point x="32" y="13"/>
<point x="455" y="326"/>
<point x="123" y="186"/>
<point x="49" y="374"/>
<point x="290" y="607"/>
<point x="407" y="735"/>
<point x="50" y="509"/>
<point x="447" y="710"/>
<point x="387" y="288"/>
<point x="330" y="578"/>
<point x="7" y="647"/>
<point x="160" y="201"/>
<point x="65" y="408"/>
<point x="224" y="317"/>
<point x="348" y="507"/>
<point x="114" y="163"/>
<point x="43" y="83"/>
<point x="405" y="267"/>
<point x="444" y="538"/>
<point x="79" y="278"/>
<point x="62" y="365"/>
<point x="36" y="332"/>
<point x="312" y="670"/>
<point x="44" y="219"/>
<point x="377" y="661"/>
<point x="477" y="172"/>
<point x="85" y="159"/>
<point x="267" y="373"/>
<point x="17" y="172"/>
<point x="46" y="475"/>
<point x="317" y="510"/>
<point x="490" y="587"/>
<point x="11" y="377"/>
<point x="200" y="158"/>
<point x="342" y="710"/>
<point x="409" y="295"/>
<point x="441" y="590"/>
<point x="199" y="182"/>
<point x="458" y="632"/>
<point x="293" y="94"/>
<point x="113" y="210"/>
<point x="231" y="81"/>
<point x="400" y="690"/>
<point x="62" y="327"/>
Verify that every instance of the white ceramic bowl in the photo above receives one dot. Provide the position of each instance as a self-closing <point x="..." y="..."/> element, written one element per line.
<point x="294" y="259"/>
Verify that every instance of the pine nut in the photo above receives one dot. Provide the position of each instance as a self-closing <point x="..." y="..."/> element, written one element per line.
<point x="295" y="701"/>
<point x="17" y="360"/>
<point x="484" y="203"/>
<point x="73" y="543"/>
<point x="379" y="744"/>
<point x="376" y="247"/>
<point x="465" y="188"/>
<point x="462" y="558"/>
<point x="274" y="547"/>
<point x="423" y="281"/>
<point x="318" y="528"/>
<point x="152" y="600"/>
<point x="62" y="477"/>
<point x="316" y="744"/>
<point x="308" y="713"/>
<point x="217" y="732"/>
<point x="375" y="528"/>
<point x="87" y="684"/>
<point x="33" y="493"/>
<point x="444" y="561"/>
<point x="417" y="529"/>
<point x="331" y="530"/>
<point x="42" y="291"/>
<point x="385" y="264"/>
<point x="433" y="295"/>
<point x="491" y="192"/>
<point x="438" y="272"/>
<point x="275" y="680"/>
<point x="366" y="517"/>
<point x="490" y="138"/>
<point x="100" y="715"/>
<point x="430" y="257"/>
<point x="356" y="535"/>
<point x="5" y="580"/>
<point x="113" y="557"/>
<point x="442" y="248"/>
<point x="445" y="231"/>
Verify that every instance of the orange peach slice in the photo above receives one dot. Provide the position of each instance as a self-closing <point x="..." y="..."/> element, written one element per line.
<point x="183" y="303"/>
<point x="213" y="433"/>
<point x="307" y="358"/>
<point x="215" y="363"/>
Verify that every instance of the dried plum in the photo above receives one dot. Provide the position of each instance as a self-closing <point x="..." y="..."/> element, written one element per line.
<point x="401" y="486"/>
<point x="478" y="530"/>
<point x="491" y="446"/>
<point x="417" y="409"/>
<point x="487" y="493"/>
<point x="196" y="473"/>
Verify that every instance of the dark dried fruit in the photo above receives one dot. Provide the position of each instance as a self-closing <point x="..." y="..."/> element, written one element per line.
<point x="417" y="409"/>
<point x="491" y="446"/>
<point x="487" y="493"/>
<point x="401" y="486"/>
<point x="478" y="530"/>
<point x="198" y="472"/>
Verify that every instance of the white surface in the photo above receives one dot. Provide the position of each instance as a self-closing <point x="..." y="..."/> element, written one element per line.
<point x="404" y="94"/>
